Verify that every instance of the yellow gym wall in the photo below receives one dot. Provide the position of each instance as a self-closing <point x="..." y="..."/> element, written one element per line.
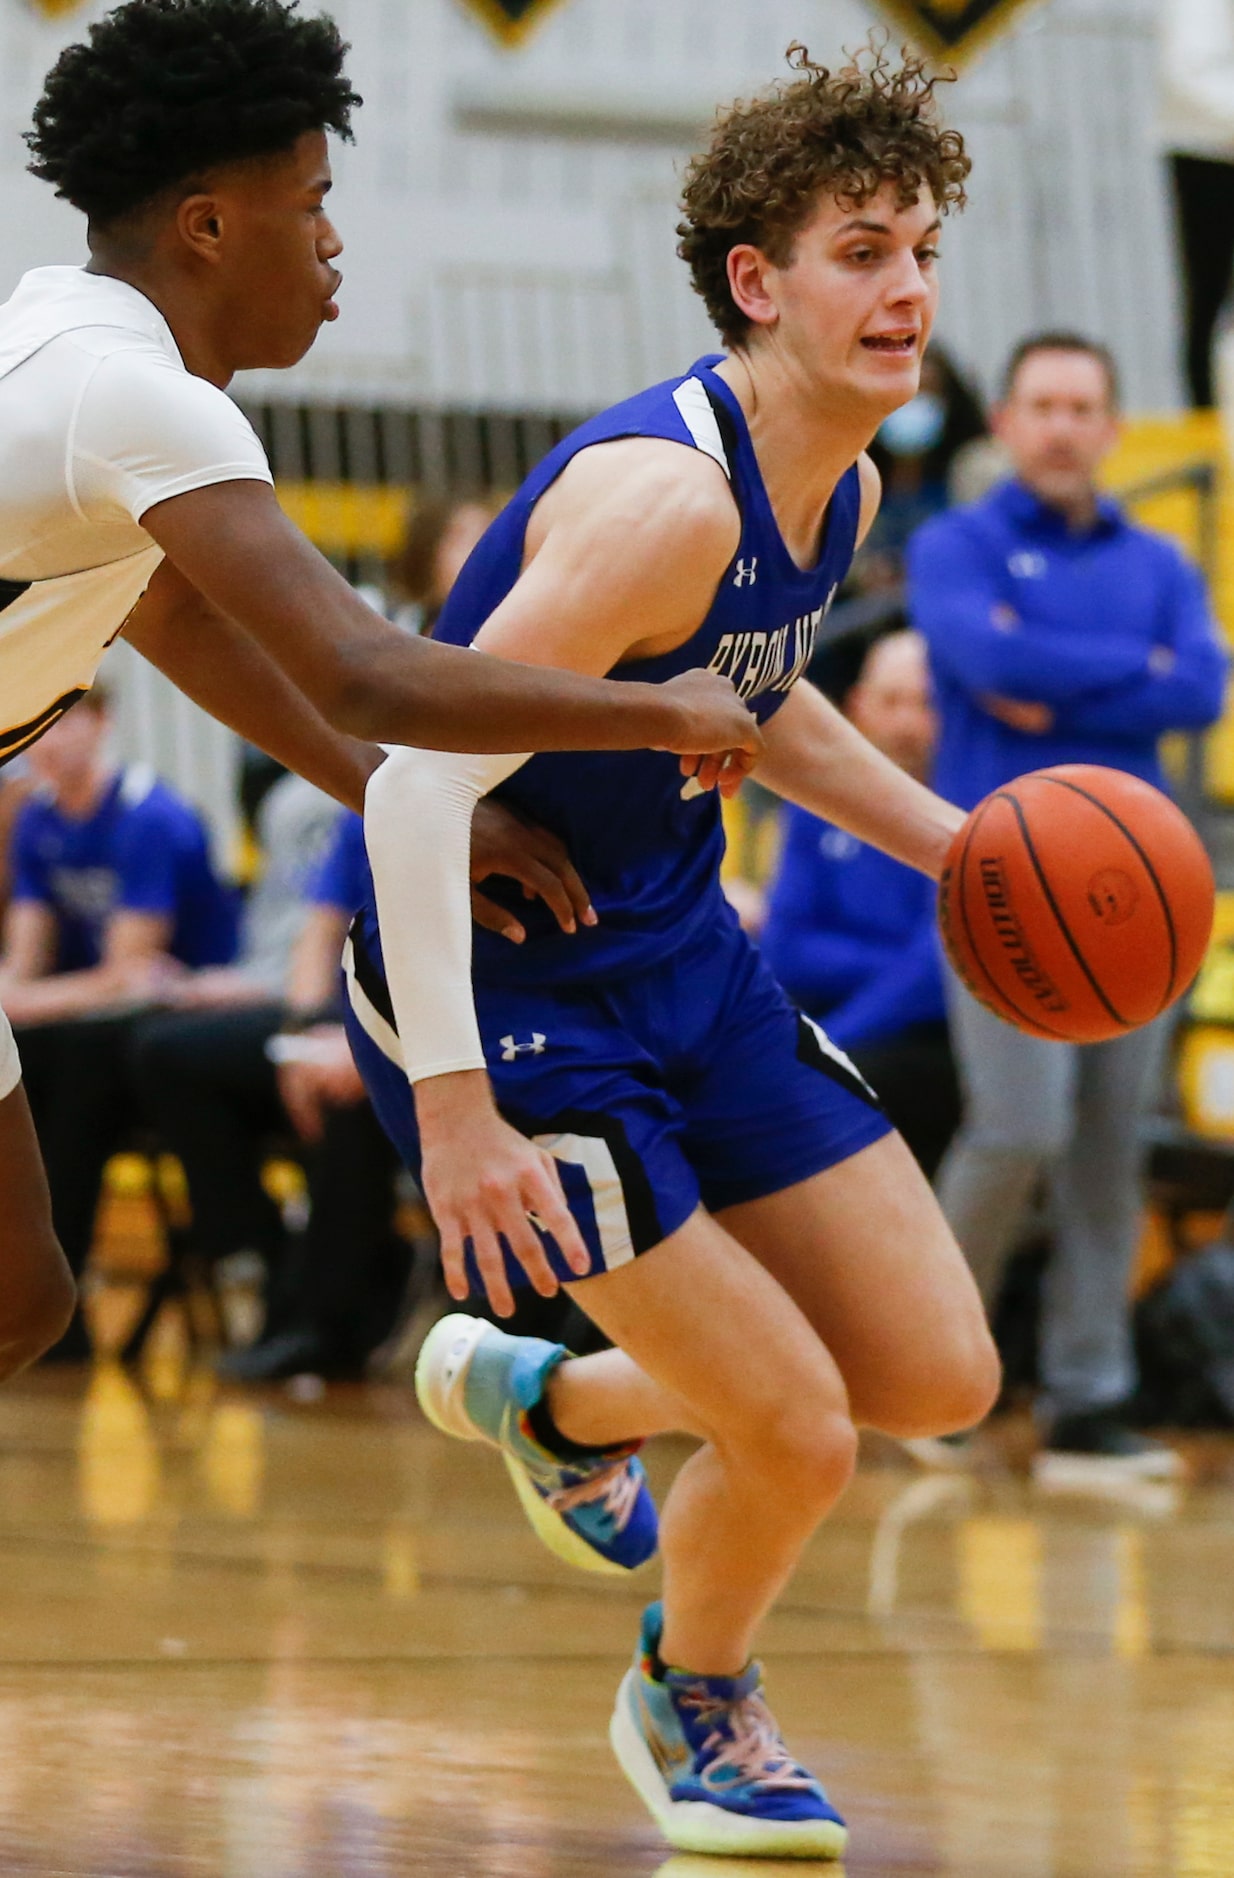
<point x="1151" y="447"/>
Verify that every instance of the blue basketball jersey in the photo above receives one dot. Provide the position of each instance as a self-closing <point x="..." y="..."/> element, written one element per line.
<point x="647" y="844"/>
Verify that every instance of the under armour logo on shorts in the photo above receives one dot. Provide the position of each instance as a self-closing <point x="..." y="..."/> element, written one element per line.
<point x="510" y="1049"/>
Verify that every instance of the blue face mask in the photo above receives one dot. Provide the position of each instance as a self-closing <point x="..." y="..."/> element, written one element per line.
<point x="916" y="428"/>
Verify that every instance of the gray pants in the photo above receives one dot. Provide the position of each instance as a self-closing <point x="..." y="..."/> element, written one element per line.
<point x="1071" y="1112"/>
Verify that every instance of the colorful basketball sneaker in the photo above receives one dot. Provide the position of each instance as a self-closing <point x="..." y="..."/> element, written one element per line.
<point x="476" y="1382"/>
<point x="705" y="1756"/>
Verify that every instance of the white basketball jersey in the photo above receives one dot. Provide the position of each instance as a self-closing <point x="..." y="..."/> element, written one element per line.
<point x="99" y="421"/>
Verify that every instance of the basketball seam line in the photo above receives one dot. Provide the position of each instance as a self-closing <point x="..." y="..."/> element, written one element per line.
<point x="1005" y="997"/>
<point x="1054" y="908"/>
<point x="1149" y="869"/>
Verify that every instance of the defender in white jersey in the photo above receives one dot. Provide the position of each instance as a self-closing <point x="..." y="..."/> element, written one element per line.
<point x="134" y="496"/>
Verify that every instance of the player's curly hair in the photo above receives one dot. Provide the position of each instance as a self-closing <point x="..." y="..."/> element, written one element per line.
<point x="163" y="91"/>
<point x="845" y="134"/>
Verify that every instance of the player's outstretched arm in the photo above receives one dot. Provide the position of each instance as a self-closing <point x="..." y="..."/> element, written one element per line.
<point x="624" y="556"/>
<point x="232" y="542"/>
<point x="222" y="668"/>
<point x="817" y="759"/>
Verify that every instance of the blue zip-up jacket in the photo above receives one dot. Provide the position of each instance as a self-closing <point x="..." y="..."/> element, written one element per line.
<point x="1110" y="628"/>
<point x="851" y="936"/>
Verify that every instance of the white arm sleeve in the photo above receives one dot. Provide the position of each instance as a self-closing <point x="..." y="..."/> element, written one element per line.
<point x="417" y="828"/>
<point x="10" y="1062"/>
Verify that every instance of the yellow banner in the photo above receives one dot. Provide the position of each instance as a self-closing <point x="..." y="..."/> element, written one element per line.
<point x="51" y="8"/>
<point x="952" y="29"/>
<point x="511" y="20"/>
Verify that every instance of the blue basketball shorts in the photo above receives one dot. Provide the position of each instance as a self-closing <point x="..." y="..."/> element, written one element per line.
<point x="694" y="1081"/>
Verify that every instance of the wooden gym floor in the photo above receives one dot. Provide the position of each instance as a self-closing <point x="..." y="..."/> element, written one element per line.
<point x="245" y="1637"/>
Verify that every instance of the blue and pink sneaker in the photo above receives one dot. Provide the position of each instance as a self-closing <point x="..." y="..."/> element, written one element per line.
<point x="705" y="1756"/>
<point x="477" y="1383"/>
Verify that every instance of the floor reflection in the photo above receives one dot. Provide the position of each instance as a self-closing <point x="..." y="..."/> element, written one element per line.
<point x="245" y="1638"/>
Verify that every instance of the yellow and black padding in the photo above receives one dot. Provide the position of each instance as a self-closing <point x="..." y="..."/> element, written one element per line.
<point x="53" y="7"/>
<point x="511" y="20"/>
<point x="951" y="29"/>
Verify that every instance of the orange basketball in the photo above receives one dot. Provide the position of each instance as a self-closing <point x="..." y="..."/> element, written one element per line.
<point x="1076" y="902"/>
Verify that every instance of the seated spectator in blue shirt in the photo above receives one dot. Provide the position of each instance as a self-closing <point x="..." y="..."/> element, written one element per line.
<point x="222" y="1082"/>
<point x="851" y="933"/>
<point x="113" y="899"/>
<point x="112" y="880"/>
<point x="1059" y="632"/>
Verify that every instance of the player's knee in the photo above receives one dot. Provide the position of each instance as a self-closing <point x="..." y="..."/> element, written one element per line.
<point x="966" y="1386"/>
<point x="36" y="1313"/>
<point x="955" y="1386"/>
<point x="807" y="1451"/>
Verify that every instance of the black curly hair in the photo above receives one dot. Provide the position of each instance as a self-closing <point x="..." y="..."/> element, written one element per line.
<point x="165" y="90"/>
<point x="845" y="134"/>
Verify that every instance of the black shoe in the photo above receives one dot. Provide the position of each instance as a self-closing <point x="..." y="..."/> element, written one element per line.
<point x="289" y="1353"/>
<point x="1101" y="1444"/>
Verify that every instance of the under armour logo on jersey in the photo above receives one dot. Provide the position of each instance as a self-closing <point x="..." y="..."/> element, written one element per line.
<point x="747" y="573"/>
<point x="1027" y="564"/>
<point x="510" y="1049"/>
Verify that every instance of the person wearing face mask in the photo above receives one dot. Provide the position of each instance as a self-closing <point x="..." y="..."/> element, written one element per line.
<point x="1059" y="632"/>
<point x="916" y="446"/>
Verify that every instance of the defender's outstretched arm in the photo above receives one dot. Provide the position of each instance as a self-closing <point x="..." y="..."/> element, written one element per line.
<point x="222" y="668"/>
<point x="233" y="543"/>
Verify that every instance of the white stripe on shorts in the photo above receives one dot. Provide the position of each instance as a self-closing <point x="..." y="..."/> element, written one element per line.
<point x="595" y="1157"/>
<point x="10" y="1062"/>
<point x="369" y="1018"/>
<point x="589" y="1152"/>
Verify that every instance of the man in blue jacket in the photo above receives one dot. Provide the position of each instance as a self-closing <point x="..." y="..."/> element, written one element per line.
<point x="851" y="933"/>
<point x="1059" y="632"/>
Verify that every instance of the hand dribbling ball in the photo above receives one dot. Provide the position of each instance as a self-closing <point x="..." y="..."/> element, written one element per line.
<point x="1077" y="903"/>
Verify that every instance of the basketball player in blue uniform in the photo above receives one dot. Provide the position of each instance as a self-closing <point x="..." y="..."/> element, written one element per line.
<point x="762" y="1249"/>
